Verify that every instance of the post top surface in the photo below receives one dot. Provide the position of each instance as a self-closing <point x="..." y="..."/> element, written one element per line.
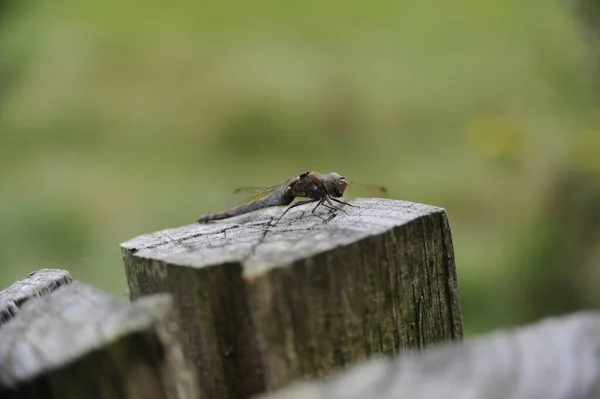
<point x="250" y="240"/>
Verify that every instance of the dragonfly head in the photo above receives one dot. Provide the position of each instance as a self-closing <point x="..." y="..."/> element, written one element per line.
<point x="335" y="184"/>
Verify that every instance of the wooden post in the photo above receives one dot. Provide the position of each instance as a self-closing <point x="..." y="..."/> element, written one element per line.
<point x="78" y="342"/>
<point x="556" y="358"/>
<point x="264" y="306"/>
<point x="37" y="283"/>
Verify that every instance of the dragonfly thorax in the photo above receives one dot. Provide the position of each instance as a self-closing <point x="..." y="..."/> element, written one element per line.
<point x="316" y="186"/>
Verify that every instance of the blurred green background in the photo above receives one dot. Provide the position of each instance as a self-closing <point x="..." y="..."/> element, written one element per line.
<point x="118" y="119"/>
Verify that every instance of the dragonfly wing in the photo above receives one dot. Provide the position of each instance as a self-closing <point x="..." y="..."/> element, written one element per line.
<point x="356" y="189"/>
<point x="245" y="195"/>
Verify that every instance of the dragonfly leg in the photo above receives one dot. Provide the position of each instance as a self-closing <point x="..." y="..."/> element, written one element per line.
<point x="319" y="204"/>
<point x="332" y="210"/>
<point x="333" y="207"/>
<point x="342" y="202"/>
<point x="295" y="205"/>
<point x="331" y="216"/>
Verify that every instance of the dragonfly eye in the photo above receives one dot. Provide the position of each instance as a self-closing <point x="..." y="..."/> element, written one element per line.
<point x="341" y="187"/>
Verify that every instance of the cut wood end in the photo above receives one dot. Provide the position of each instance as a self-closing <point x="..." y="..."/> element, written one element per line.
<point x="251" y="240"/>
<point x="37" y="283"/>
<point x="68" y="323"/>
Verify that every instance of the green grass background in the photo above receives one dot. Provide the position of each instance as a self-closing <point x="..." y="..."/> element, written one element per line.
<point x="118" y="119"/>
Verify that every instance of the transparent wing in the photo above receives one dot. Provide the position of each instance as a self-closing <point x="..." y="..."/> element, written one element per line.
<point x="244" y="195"/>
<point x="365" y="190"/>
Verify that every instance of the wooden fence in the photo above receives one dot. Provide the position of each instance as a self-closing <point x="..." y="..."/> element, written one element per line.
<point x="303" y="309"/>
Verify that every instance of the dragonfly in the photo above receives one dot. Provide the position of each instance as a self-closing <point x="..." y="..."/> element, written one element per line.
<point x="322" y="189"/>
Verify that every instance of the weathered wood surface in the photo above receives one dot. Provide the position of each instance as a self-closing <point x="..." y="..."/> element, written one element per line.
<point x="79" y="342"/>
<point x="555" y="359"/>
<point x="37" y="283"/>
<point x="266" y="305"/>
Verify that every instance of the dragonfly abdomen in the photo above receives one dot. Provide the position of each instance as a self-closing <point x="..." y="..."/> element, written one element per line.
<point x="240" y="210"/>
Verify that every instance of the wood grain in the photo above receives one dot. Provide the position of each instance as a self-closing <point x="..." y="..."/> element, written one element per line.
<point x="36" y="284"/>
<point x="79" y="342"/>
<point x="266" y="305"/>
<point x="557" y="358"/>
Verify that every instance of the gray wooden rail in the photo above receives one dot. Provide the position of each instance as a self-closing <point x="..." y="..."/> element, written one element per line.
<point x="69" y="340"/>
<point x="266" y="305"/>
<point x="554" y="359"/>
